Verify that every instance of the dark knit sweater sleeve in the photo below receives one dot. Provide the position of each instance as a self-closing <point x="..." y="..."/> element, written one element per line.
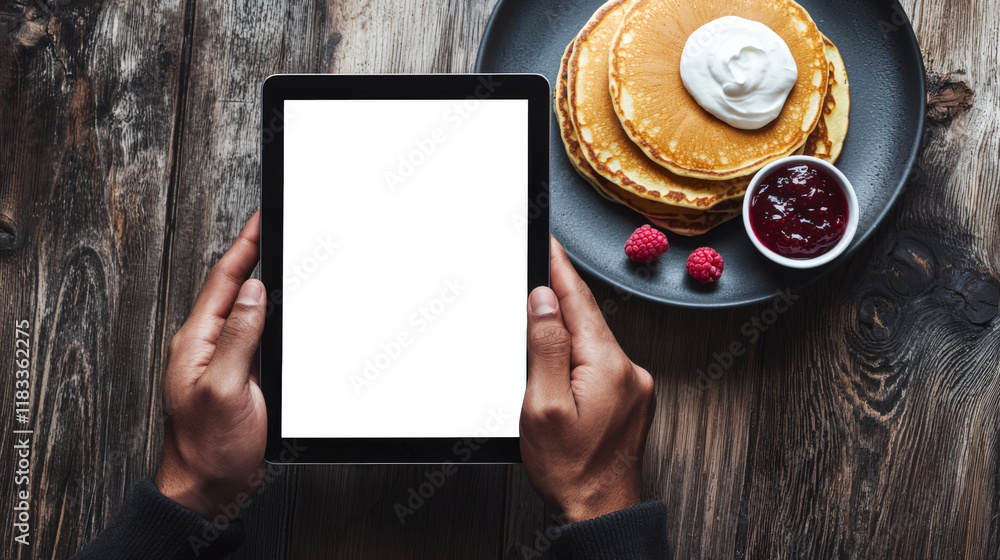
<point x="635" y="533"/>
<point x="153" y="527"/>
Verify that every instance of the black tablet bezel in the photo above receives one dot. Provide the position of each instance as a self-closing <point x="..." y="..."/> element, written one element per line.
<point x="275" y="90"/>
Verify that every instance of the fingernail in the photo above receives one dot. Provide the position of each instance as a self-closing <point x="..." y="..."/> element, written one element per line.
<point x="542" y="301"/>
<point x="250" y="293"/>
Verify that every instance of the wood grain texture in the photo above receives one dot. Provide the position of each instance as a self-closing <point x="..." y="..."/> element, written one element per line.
<point x="883" y="427"/>
<point x="856" y="419"/>
<point x="360" y="31"/>
<point x="87" y="92"/>
<point x="461" y="519"/>
<point x="230" y="48"/>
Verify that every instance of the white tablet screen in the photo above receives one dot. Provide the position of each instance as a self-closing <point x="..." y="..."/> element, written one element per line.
<point x="405" y="268"/>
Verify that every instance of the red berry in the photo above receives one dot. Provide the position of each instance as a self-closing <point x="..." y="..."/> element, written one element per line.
<point x="645" y="244"/>
<point x="705" y="265"/>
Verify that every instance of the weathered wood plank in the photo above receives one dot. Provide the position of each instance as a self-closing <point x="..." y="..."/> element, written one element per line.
<point x="878" y="420"/>
<point x="390" y="36"/>
<point x="705" y="366"/>
<point x="234" y="47"/>
<point x="352" y="512"/>
<point x="87" y="93"/>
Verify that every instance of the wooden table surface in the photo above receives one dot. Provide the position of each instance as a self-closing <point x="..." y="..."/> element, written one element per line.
<point x="861" y="422"/>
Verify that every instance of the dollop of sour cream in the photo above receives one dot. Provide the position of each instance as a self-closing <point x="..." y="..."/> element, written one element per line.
<point x="739" y="70"/>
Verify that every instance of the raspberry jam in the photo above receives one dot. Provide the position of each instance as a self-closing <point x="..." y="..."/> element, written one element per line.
<point x="799" y="211"/>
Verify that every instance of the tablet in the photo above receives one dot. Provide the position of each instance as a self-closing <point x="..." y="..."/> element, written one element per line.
<point x="404" y="220"/>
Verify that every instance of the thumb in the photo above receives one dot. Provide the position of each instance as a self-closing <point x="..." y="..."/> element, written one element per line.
<point x="549" y="348"/>
<point x="236" y="349"/>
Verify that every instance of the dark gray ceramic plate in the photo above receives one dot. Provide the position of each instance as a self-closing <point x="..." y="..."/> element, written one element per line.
<point x="888" y="105"/>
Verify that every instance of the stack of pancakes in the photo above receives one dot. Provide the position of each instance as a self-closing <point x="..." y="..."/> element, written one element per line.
<point x="633" y="132"/>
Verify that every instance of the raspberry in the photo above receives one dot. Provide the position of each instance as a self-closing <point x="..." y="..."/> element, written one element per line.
<point x="645" y="244"/>
<point x="705" y="265"/>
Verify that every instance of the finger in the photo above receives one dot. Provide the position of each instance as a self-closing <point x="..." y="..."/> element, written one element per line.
<point x="549" y="349"/>
<point x="227" y="276"/>
<point x="580" y="313"/>
<point x="236" y="348"/>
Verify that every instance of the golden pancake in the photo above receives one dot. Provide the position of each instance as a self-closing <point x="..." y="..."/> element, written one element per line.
<point x="827" y="140"/>
<point x="603" y="141"/>
<point x="691" y="228"/>
<point x="683" y="221"/>
<point x="567" y="132"/>
<point x="668" y="124"/>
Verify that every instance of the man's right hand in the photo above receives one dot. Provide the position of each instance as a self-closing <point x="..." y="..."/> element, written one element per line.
<point x="587" y="408"/>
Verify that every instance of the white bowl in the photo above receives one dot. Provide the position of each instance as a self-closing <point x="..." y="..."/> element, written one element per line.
<point x="852" y="213"/>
